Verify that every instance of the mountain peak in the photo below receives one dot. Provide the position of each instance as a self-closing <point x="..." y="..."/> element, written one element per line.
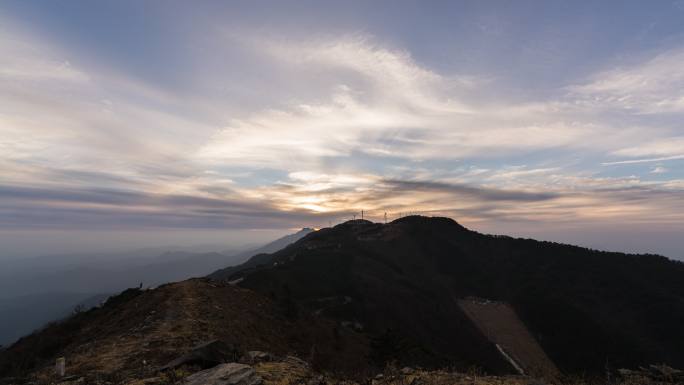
<point x="409" y="219"/>
<point x="356" y="222"/>
<point x="426" y="220"/>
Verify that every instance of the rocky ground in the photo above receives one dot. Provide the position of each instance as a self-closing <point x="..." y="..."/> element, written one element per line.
<point x="261" y="368"/>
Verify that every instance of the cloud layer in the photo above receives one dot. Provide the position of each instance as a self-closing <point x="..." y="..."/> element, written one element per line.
<point x="348" y="123"/>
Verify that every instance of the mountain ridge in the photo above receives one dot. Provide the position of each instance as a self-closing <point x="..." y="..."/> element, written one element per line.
<point x="627" y="305"/>
<point x="393" y="294"/>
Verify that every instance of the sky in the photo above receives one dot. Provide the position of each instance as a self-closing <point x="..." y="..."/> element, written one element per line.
<point x="130" y="123"/>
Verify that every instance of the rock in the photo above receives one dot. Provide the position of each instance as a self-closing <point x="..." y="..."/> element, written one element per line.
<point x="407" y="370"/>
<point x="292" y="360"/>
<point x="72" y="380"/>
<point x="664" y="371"/>
<point x="318" y="380"/>
<point x="145" y="381"/>
<point x="60" y="366"/>
<point x="626" y="372"/>
<point x="256" y="356"/>
<point x="225" y="374"/>
<point x="660" y="373"/>
<point x="206" y="355"/>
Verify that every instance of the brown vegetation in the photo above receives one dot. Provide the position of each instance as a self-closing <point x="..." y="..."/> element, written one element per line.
<point x="139" y="331"/>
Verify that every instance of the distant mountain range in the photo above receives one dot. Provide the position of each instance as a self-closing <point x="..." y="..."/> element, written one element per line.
<point x="261" y="255"/>
<point x="417" y="291"/>
<point x="34" y="291"/>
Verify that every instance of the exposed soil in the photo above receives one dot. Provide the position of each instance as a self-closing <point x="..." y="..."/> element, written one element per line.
<point x="499" y="322"/>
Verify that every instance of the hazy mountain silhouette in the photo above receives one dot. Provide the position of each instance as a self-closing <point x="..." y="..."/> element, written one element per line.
<point x="261" y="255"/>
<point x="23" y="314"/>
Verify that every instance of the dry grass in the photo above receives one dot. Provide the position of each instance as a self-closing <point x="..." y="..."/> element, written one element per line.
<point x="134" y="338"/>
<point x="280" y="373"/>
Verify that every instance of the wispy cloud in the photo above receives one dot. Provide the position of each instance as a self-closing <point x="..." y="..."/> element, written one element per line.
<point x="645" y="160"/>
<point x="72" y="208"/>
<point x="657" y="150"/>
<point x="649" y="87"/>
<point x="659" y="170"/>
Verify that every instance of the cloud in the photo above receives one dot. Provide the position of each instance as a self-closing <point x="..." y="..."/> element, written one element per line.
<point x="650" y="87"/>
<point x="548" y="197"/>
<point x="357" y="126"/>
<point x="664" y="149"/>
<point x="382" y="103"/>
<point x="382" y="75"/>
<point x="645" y="160"/>
<point x="659" y="170"/>
<point x="480" y="193"/>
<point x="40" y="207"/>
<point x="375" y="94"/>
<point x="29" y="60"/>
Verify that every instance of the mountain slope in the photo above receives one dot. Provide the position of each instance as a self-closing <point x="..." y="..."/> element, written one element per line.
<point x="53" y="294"/>
<point x="258" y="256"/>
<point x="401" y="282"/>
<point x="138" y="331"/>
<point x="43" y="289"/>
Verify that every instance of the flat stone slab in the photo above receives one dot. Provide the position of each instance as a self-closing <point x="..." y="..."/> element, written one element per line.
<point x="225" y="374"/>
